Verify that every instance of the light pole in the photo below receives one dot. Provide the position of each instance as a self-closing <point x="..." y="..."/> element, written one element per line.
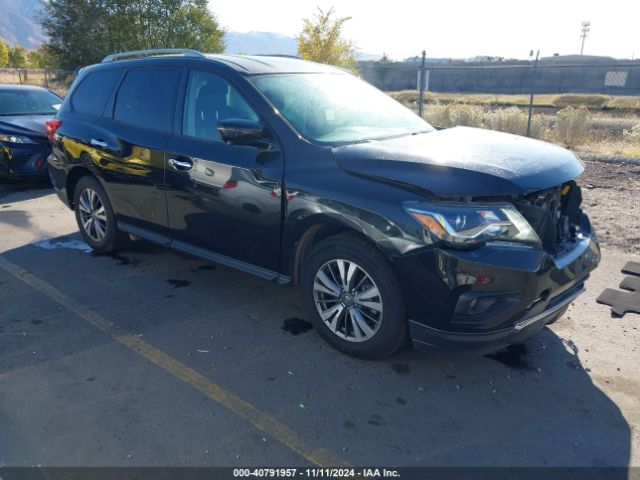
<point x="421" y="86"/>
<point x="586" y="26"/>
<point x="533" y="83"/>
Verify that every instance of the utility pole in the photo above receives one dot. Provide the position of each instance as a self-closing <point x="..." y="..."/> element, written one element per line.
<point x="586" y="26"/>
<point x="421" y="86"/>
<point x="533" y="82"/>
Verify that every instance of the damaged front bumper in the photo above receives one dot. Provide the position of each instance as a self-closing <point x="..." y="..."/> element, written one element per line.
<point x="20" y="161"/>
<point x="481" y="300"/>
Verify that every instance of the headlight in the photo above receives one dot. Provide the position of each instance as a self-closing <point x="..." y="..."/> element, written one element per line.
<point x="468" y="225"/>
<point x="9" y="138"/>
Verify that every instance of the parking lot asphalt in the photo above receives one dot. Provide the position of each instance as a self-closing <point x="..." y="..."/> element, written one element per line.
<point x="153" y="358"/>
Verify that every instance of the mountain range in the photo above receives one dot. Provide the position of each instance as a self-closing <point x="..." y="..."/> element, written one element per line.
<point x="19" y="25"/>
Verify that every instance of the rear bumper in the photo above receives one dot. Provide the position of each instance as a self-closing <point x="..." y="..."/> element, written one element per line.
<point x="58" y="177"/>
<point x="485" y="299"/>
<point x="24" y="161"/>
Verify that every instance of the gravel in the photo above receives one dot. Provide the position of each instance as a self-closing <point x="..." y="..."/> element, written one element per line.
<point x="611" y="198"/>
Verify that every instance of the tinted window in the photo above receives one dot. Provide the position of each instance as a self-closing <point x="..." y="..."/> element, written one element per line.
<point x="93" y="92"/>
<point x="210" y="99"/>
<point x="145" y="98"/>
<point x="28" y="102"/>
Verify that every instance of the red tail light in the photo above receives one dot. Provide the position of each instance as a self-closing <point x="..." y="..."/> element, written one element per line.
<point x="230" y="184"/>
<point x="50" y="128"/>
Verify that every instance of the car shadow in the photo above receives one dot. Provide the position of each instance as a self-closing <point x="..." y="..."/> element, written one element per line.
<point x="533" y="405"/>
<point x="19" y="190"/>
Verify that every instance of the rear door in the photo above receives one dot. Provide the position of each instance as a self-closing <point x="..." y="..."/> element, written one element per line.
<point x="129" y="142"/>
<point x="222" y="198"/>
<point x="83" y="106"/>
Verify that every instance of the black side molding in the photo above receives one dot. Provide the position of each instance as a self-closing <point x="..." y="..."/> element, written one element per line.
<point x="204" y="253"/>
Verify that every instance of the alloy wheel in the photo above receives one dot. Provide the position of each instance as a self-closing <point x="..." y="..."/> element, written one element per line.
<point x="348" y="300"/>
<point x="92" y="214"/>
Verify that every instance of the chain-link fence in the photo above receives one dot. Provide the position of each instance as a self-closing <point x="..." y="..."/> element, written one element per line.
<point x="58" y="81"/>
<point x="587" y="103"/>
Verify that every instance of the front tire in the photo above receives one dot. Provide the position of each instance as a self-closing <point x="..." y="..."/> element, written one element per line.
<point x="95" y="217"/>
<point x="352" y="296"/>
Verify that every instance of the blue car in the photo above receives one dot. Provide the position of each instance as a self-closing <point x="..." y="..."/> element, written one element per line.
<point x="24" y="145"/>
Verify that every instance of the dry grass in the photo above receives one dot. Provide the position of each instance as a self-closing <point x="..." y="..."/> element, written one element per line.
<point x="576" y="128"/>
<point x="510" y="120"/>
<point x="57" y="83"/>
<point x="591" y="101"/>
<point x="514" y="120"/>
<point x="573" y="125"/>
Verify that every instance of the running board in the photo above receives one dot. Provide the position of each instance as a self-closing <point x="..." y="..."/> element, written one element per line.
<point x="205" y="253"/>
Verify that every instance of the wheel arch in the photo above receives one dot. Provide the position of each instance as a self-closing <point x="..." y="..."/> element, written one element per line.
<point x="73" y="177"/>
<point x="314" y="230"/>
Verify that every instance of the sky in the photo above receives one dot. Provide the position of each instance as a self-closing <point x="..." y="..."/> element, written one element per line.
<point x="455" y="28"/>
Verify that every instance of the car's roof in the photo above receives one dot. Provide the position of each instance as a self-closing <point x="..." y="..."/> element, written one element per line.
<point x="9" y="86"/>
<point x="261" y="64"/>
<point x="243" y="64"/>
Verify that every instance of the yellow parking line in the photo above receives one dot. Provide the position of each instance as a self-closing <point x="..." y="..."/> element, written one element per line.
<point x="265" y="422"/>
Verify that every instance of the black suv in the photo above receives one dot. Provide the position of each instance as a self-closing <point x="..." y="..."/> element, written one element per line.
<point x="304" y="175"/>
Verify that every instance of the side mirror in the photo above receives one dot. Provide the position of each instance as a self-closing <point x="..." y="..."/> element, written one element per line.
<point x="240" y="131"/>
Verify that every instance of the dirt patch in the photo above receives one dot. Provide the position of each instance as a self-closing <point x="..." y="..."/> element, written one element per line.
<point x="611" y="197"/>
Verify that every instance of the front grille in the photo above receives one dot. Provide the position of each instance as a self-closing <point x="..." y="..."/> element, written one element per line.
<point x="553" y="213"/>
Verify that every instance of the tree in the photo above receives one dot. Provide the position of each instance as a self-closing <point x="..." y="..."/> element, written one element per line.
<point x="321" y="40"/>
<point x="122" y="25"/>
<point x="17" y="57"/>
<point x="41" y="58"/>
<point x="4" y="54"/>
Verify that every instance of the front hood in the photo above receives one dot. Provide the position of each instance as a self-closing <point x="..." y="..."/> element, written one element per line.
<point x="462" y="162"/>
<point x="29" y="125"/>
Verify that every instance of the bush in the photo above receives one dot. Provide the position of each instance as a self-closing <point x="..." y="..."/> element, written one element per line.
<point x="632" y="135"/>
<point x="456" y="115"/>
<point x="573" y="100"/>
<point x="510" y="120"/>
<point x="513" y="120"/>
<point x="573" y="125"/>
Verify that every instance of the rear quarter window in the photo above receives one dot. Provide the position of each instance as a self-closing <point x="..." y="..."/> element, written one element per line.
<point x="145" y="98"/>
<point x="90" y="97"/>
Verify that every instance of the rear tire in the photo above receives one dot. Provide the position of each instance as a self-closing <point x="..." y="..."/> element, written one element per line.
<point x="352" y="296"/>
<point x="95" y="217"/>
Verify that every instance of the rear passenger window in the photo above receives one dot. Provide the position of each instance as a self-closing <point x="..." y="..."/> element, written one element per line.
<point x="93" y="92"/>
<point x="145" y="98"/>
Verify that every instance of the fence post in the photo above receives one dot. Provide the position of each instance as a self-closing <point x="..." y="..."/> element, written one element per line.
<point x="421" y="85"/>
<point x="533" y="83"/>
<point x="46" y="80"/>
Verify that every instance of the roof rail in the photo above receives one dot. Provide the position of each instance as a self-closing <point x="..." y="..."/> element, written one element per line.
<point x="282" y="55"/>
<point x="152" y="53"/>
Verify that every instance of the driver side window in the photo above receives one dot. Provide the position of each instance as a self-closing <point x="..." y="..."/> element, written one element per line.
<point x="209" y="99"/>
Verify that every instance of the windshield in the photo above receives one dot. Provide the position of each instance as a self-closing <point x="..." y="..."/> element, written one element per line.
<point x="28" y="102"/>
<point x="338" y="108"/>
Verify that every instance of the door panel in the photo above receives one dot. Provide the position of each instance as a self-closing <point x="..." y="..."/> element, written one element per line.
<point x="229" y="202"/>
<point x="128" y="145"/>
<point x="220" y="197"/>
<point x="132" y="165"/>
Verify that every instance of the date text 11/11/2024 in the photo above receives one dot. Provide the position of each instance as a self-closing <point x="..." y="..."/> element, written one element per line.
<point x="316" y="473"/>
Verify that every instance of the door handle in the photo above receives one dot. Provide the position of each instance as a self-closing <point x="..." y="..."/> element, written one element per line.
<point x="98" y="143"/>
<point x="183" y="165"/>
